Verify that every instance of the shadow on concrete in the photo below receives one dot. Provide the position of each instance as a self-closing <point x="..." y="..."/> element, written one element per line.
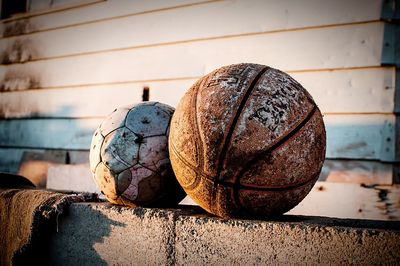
<point x="68" y="246"/>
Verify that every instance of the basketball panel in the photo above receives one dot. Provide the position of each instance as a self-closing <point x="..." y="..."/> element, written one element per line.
<point x="183" y="134"/>
<point x="185" y="172"/>
<point x="298" y="160"/>
<point x="276" y="106"/>
<point x="263" y="203"/>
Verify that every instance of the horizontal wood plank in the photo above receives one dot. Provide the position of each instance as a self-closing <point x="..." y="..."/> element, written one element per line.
<point x="37" y="8"/>
<point x="361" y="136"/>
<point x="357" y="91"/>
<point x="357" y="172"/>
<point x="348" y="136"/>
<point x="67" y="16"/>
<point x="328" y="48"/>
<point x="351" y="201"/>
<point x="48" y="133"/>
<point x="91" y="101"/>
<point x="201" y="22"/>
<point x="11" y="158"/>
<point x="238" y="16"/>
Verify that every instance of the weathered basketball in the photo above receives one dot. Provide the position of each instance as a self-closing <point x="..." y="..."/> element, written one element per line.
<point x="247" y="140"/>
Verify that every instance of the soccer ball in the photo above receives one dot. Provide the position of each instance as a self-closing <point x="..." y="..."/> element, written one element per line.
<point x="129" y="157"/>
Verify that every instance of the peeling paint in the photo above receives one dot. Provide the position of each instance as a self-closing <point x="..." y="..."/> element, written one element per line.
<point x="18" y="81"/>
<point x="384" y="201"/>
<point x="18" y="51"/>
<point x="18" y="28"/>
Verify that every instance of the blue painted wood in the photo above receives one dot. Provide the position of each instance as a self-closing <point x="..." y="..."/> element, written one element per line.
<point x="353" y="136"/>
<point x="390" y="10"/>
<point x="391" y="45"/>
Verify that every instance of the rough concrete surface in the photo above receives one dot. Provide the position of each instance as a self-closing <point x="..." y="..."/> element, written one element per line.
<point x="102" y="234"/>
<point x="216" y="242"/>
<point x="99" y="234"/>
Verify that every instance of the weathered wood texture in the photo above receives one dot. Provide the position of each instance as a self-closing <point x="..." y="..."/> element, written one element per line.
<point x="357" y="172"/>
<point x="361" y="136"/>
<point x="43" y="6"/>
<point x="358" y="91"/>
<point x="70" y="17"/>
<point x="201" y="22"/>
<point x="256" y="14"/>
<point x="11" y="158"/>
<point x="48" y="133"/>
<point x="355" y="201"/>
<point x="322" y="48"/>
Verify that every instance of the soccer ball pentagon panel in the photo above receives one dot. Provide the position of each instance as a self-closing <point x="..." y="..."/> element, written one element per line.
<point x="129" y="157"/>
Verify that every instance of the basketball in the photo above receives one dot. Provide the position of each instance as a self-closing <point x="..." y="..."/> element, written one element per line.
<point x="247" y="140"/>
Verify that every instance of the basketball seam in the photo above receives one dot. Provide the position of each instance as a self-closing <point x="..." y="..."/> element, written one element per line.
<point x="231" y="130"/>
<point x="232" y="125"/>
<point x="251" y="188"/>
<point x="199" y="148"/>
<point x="190" y="166"/>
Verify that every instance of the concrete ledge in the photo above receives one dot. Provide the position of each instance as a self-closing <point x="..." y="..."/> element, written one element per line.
<point x="98" y="234"/>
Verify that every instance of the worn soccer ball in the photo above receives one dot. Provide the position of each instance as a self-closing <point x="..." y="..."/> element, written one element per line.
<point x="129" y="157"/>
<point x="247" y="140"/>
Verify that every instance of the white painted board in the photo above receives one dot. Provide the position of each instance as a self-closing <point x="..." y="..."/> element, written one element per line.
<point x="322" y="48"/>
<point x="243" y="16"/>
<point x="213" y="20"/>
<point x="87" y="11"/>
<point x="351" y="201"/>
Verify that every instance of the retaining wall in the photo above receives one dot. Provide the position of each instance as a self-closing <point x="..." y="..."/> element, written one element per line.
<point x="104" y="234"/>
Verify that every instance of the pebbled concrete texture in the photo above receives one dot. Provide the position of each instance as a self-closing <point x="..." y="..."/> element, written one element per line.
<point x="102" y="234"/>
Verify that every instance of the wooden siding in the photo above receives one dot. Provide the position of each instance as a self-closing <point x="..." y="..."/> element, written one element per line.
<point x="63" y="70"/>
<point x="261" y="15"/>
<point x="313" y="49"/>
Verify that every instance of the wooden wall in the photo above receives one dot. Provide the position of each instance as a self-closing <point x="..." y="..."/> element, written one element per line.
<point x="63" y="69"/>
